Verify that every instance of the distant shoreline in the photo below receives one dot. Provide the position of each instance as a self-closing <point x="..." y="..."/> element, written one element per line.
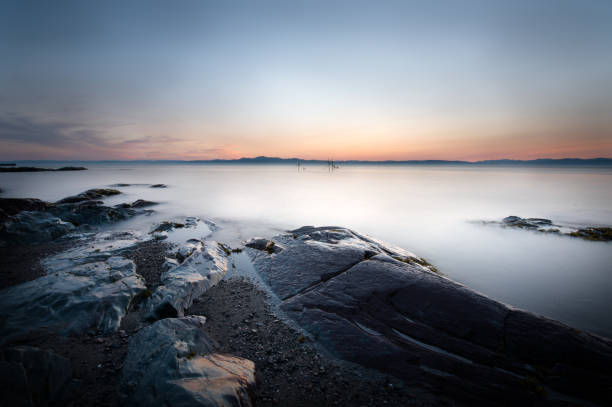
<point x="569" y="162"/>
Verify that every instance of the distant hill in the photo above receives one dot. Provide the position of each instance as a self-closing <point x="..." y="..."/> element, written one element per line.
<point x="589" y="162"/>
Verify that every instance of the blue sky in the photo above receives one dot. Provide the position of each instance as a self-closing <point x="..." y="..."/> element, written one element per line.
<point x="350" y="79"/>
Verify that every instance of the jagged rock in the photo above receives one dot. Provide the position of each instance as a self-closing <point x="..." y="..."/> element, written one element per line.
<point x="31" y="220"/>
<point x="601" y="234"/>
<point x="140" y="203"/>
<point x="526" y="223"/>
<point x="90" y="213"/>
<point x="373" y="304"/>
<point x="90" y="195"/>
<point x="200" y="266"/>
<point x="593" y="233"/>
<point x="32" y="227"/>
<point x="34" y="377"/>
<point x="172" y="363"/>
<point x="79" y="293"/>
<point x="12" y="206"/>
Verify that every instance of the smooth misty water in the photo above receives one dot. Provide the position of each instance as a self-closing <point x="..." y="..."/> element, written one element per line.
<point x="428" y="210"/>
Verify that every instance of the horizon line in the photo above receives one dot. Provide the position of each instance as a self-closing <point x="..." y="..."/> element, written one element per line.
<point x="323" y="161"/>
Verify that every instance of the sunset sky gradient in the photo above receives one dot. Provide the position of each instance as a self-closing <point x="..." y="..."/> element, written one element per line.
<point x="371" y="80"/>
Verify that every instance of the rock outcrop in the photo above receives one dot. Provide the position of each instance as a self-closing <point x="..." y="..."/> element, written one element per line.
<point x="383" y="307"/>
<point x="173" y="363"/>
<point x="34" y="377"/>
<point x="198" y="266"/>
<point x="89" y="287"/>
<point x="593" y="233"/>
<point x="25" y="221"/>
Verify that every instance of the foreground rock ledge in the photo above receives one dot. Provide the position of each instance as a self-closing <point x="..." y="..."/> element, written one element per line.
<point x="374" y="304"/>
<point x="173" y="363"/>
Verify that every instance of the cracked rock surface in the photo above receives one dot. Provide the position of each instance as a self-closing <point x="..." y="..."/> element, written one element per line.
<point x="88" y="287"/>
<point x="198" y="267"/>
<point x="373" y="304"/>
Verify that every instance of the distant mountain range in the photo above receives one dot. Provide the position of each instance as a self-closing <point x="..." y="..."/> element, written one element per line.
<point x="294" y="161"/>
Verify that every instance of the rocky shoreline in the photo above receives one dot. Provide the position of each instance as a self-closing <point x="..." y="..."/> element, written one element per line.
<point x="315" y="316"/>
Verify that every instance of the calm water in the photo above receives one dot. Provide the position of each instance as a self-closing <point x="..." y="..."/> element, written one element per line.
<point x="428" y="210"/>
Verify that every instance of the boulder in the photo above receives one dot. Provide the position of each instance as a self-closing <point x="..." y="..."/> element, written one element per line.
<point x="383" y="307"/>
<point x="34" y="377"/>
<point x="77" y="295"/>
<point x="173" y="363"/>
<point x="199" y="266"/>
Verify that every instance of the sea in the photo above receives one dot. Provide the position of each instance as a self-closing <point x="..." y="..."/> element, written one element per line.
<point x="440" y="212"/>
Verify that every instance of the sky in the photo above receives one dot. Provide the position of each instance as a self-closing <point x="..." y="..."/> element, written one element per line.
<point x="371" y="80"/>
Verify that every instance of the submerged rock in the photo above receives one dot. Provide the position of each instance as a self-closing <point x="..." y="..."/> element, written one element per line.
<point x="90" y="195"/>
<point x="593" y="233"/>
<point x="368" y="303"/>
<point x="173" y="363"/>
<point x="199" y="266"/>
<point x="34" y="377"/>
<point x="140" y="203"/>
<point x="80" y="293"/>
<point x="603" y="234"/>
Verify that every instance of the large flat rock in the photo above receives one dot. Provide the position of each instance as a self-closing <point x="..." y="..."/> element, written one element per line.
<point x="173" y="363"/>
<point x="385" y="308"/>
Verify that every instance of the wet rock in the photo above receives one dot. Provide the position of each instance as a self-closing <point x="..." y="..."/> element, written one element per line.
<point x="366" y="302"/>
<point x="258" y="243"/>
<point x="79" y="293"/>
<point x="33" y="377"/>
<point x="37" y="169"/>
<point x="140" y="203"/>
<point x="91" y="213"/>
<point x="172" y="362"/>
<point x="32" y="227"/>
<point x="593" y="233"/>
<point x="90" y="195"/>
<point x="200" y="266"/>
<point x="12" y="206"/>
<point x="25" y="221"/>
<point x="602" y="234"/>
<point x="526" y="223"/>
<point x="159" y="186"/>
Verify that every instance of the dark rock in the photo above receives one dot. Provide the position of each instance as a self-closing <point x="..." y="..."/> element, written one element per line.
<point x="32" y="227"/>
<point x="365" y="303"/>
<point x="92" y="194"/>
<point x="36" y="169"/>
<point x="12" y="206"/>
<point x="526" y="223"/>
<point x="174" y="363"/>
<point x="140" y="203"/>
<point x="33" y="377"/>
<point x="593" y="233"/>
<point x="86" y="288"/>
<point x="602" y="234"/>
<point x="159" y="186"/>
